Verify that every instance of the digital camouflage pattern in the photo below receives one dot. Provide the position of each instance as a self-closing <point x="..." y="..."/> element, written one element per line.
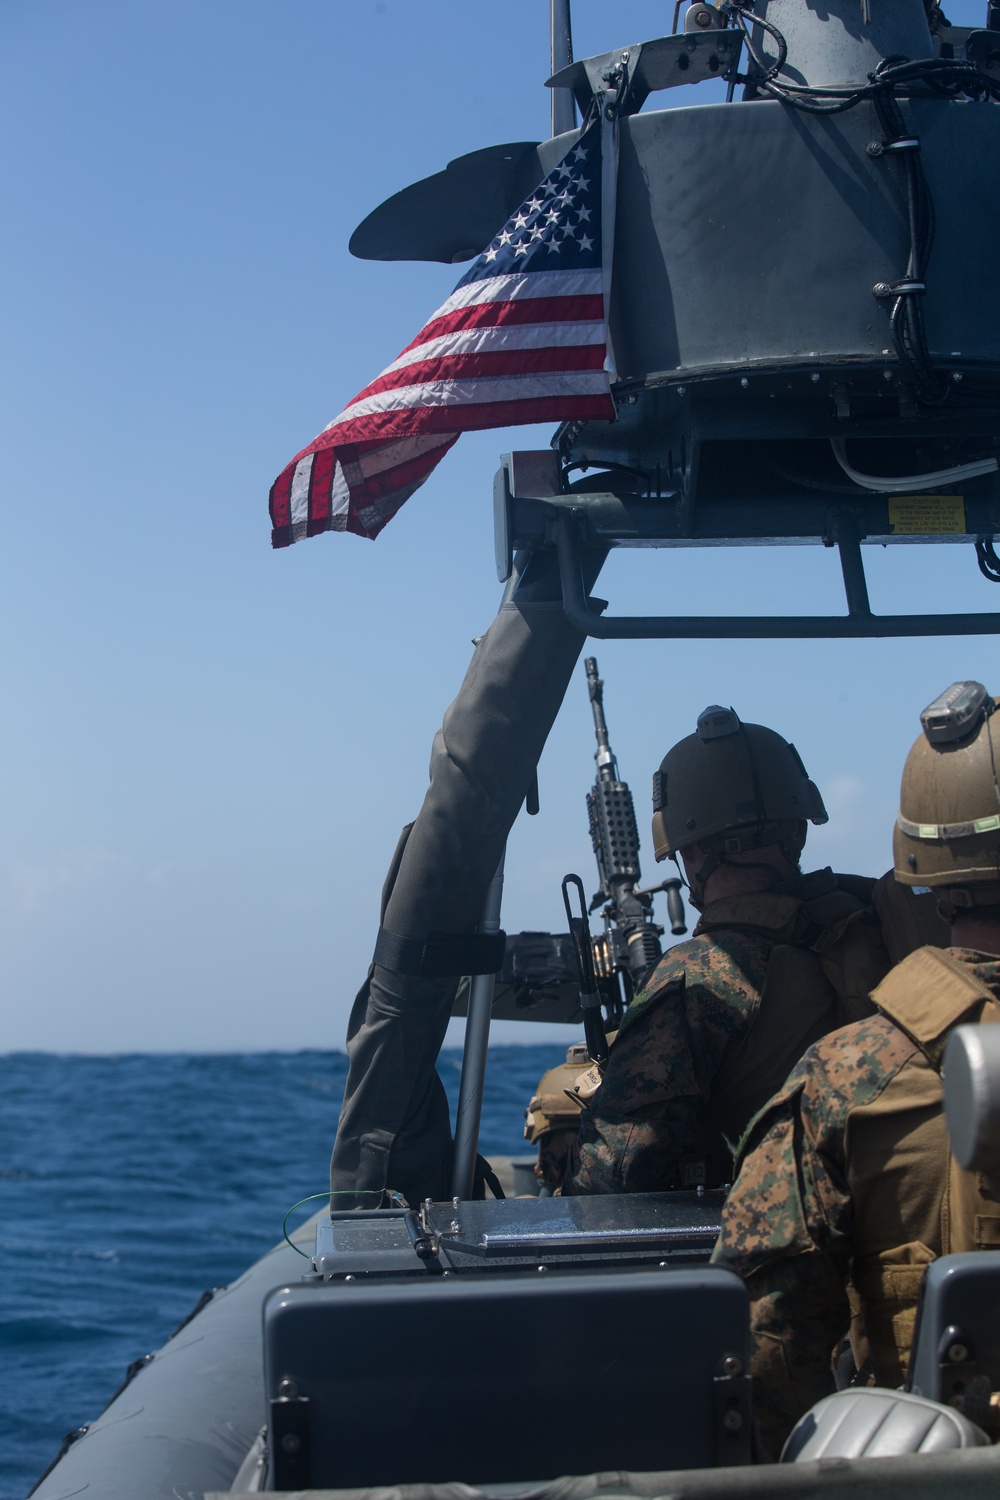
<point x="647" y="1116"/>
<point x="698" y="1053"/>
<point x="810" y="1207"/>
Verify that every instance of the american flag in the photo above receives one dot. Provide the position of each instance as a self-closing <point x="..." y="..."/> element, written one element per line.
<point x="522" y="338"/>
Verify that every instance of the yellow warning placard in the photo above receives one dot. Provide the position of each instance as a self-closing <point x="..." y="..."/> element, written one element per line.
<point x="927" y="515"/>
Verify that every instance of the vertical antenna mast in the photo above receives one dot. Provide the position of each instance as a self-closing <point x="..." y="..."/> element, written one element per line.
<point x="560" y="56"/>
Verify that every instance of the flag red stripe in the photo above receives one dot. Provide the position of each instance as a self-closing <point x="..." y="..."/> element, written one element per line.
<point x="411" y="473"/>
<point x="507" y="314"/>
<point x="320" y="481"/>
<point x="280" y="499"/>
<point x="384" y="426"/>
<point x="496" y="362"/>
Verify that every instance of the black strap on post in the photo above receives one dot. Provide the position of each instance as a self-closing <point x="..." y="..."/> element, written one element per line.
<point x="440" y="954"/>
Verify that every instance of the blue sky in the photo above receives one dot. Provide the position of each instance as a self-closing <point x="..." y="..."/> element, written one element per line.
<point x="209" y="748"/>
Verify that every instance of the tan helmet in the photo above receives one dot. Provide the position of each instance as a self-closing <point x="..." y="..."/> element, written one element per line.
<point x="947" y="835"/>
<point x="731" y="786"/>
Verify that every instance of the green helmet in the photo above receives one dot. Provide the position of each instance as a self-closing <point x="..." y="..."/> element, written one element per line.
<point x="731" y="786"/>
<point x="947" y="835"/>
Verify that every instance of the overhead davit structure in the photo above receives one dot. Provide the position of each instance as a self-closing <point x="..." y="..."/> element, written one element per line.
<point x="803" y="316"/>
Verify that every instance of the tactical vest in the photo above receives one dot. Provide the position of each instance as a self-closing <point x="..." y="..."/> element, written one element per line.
<point x="828" y="955"/>
<point x="912" y="1202"/>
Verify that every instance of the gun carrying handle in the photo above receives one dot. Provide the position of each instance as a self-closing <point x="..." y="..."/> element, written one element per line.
<point x="675" y="906"/>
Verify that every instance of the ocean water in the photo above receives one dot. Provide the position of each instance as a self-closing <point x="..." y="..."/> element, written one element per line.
<point x="130" y="1184"/>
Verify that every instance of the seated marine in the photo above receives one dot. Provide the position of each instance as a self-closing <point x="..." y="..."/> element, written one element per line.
<point x="847" y="1188"/>
<point x="776" y="961"/>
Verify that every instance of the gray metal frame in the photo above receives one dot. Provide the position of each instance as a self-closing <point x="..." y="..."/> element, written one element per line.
<point x="858" y="623"/>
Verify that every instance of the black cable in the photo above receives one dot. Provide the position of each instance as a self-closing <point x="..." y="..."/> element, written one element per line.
<point x="986" y="557"/>
<point x="769" y="69"/>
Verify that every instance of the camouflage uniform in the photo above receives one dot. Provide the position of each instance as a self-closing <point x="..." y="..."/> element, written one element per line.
<point x="725" y="1017"/>
<point x="844" y="1191"/>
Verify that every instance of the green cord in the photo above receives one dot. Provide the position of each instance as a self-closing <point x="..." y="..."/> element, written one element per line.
<point x="338" y="1193"/>
<point x="284" y="1223"/>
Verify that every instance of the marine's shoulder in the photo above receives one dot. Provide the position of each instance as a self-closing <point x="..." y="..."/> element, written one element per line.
<point x="706" y="957"/>
<point x="728" y="968"/>
<point x="849" y="1067"/>
<point x="841" y="1072"/>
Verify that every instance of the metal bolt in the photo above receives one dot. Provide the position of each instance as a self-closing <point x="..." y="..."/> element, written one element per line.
<point x="703" y="18"/>
<point x="732" y="1421"/>
<point x="288" y="1387"/>
<point x="291" y="1443"/>
<point x="348" y="1278"/>
<point x="814" y="377"/>
<point x="957" y="1354"/>
<point x="682" y="390"/>
<point x="881" y="289"/>
<point x="663" y="1265"/>
<point x="731" y="1365"/>
<point x="541" y="1268"/>
<point x="956" y="376"/>
<point x="886" y="374"/>
<point x="744" y="382"/>
<point x="874" y="148"/>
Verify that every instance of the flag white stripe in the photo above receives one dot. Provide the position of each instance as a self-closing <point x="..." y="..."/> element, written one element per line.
<point x="299" y="498"/>
<point x="340" y="494"/>
<point x="473" y="392"/>
<point x="396" y="451"/>
<point x="520" y="288"/>
<point x="520" y="336"/>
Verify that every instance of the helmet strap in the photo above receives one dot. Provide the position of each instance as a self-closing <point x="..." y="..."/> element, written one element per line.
<point x="718" y="860"/>
<point x="954" y="899"/>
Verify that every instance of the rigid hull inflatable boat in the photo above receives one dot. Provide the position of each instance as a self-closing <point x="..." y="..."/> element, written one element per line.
<point x="804" y="316"/>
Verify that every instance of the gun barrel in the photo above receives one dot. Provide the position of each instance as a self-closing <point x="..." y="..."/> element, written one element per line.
<point x="607" y="766"/>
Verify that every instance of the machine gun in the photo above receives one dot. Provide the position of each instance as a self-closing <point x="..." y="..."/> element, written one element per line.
<point x="617" y="960"/>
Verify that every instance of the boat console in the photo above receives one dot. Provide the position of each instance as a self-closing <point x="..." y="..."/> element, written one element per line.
<point x="532" y="1234"/>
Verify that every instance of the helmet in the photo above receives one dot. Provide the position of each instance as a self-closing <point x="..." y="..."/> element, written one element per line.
<point x="731" y="786"/>
<point x="947" y="835"/>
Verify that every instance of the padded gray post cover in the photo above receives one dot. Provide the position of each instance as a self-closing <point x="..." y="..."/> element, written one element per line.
<point x="394" y="1127"/>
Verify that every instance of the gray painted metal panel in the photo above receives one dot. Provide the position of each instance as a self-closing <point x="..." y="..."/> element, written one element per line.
<point x="752" y="233"/>
<point x="835" y="44"/>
